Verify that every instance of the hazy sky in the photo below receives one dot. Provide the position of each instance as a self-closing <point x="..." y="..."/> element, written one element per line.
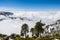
<point x="31" y="4"/>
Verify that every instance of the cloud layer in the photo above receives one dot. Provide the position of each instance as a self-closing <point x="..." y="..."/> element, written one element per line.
<point x="14" y="26"/>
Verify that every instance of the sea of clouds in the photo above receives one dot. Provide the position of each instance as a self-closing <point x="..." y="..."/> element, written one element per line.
<point x="9" y="26"/>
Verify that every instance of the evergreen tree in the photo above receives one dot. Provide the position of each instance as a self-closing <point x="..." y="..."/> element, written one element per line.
<point x="32" y="31"/>
<point x="24" y="30"/>
<point x="39" y="29"/>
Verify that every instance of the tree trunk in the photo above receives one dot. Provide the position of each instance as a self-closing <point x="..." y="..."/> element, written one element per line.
<point x="25" y="34"/>
<point x="32" y="35"/>
<point x="39" y="34"/>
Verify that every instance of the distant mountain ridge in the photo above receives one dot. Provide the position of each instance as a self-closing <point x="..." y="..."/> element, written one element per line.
<point x="6" y="13"/>
<point x="10" y="15"/>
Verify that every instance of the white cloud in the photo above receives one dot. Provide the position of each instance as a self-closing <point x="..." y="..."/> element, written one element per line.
<point x="30" y="14"/>
<point x="15" y="25"/>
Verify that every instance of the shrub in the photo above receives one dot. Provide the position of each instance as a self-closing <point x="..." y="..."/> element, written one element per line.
<point x="17" y="38"/>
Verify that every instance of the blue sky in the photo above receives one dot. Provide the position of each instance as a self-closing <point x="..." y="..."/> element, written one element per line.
<point x="31" y="4"/>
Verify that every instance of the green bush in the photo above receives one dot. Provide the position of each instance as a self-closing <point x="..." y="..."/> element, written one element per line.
<point x="24" y="38"/>
<point x="17" y="38"/>
<point x="29" y="38"/>
<point x="44" y="38"/>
